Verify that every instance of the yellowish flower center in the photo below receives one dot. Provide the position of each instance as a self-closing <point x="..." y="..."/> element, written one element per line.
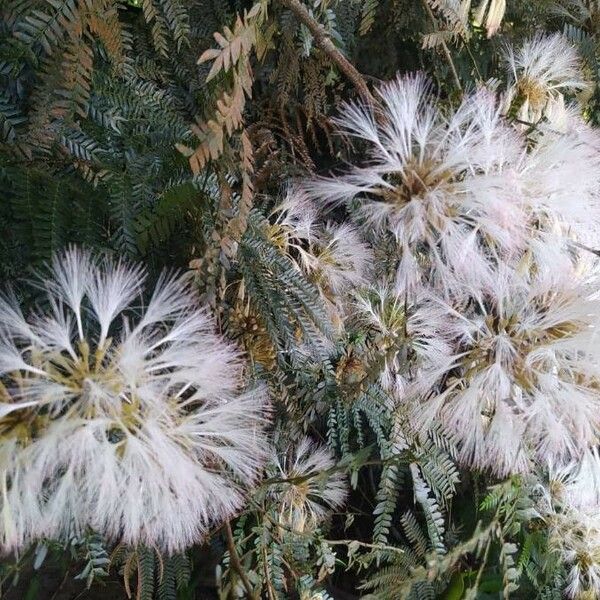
<point x="533" y="92"/>
<point x="507" y="342"/>
<point x="96" y="386"/>
<point x="417" y="178"/>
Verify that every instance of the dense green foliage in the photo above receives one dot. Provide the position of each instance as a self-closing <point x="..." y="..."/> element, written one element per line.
<point x="114" y="135"/>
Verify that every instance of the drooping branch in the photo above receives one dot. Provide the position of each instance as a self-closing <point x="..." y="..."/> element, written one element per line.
<point x="323" y="41"/>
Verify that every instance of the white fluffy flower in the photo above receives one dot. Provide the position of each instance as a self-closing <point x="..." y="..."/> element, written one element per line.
<point x="339" y="260"/>
<point x="121" y="417"/>
<point x="558" y="184"/>
<point x="334" y="257"/>
<point x="572" y="514"/>
<point x="490" y="328"/>
<point x="543" y="69"/>
<point x="410" y="336"/>
<point x="524" y="377"/>
<point x="307" y="486"/>
<point x="435" y="181"/>
<point x="294" y="222"/>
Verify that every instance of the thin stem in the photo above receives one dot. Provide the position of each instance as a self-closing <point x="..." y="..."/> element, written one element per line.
<point x="234" y="560"/>
<point x="473" y="60"/>
<point x="62" y="584"/>
<point x="322" y="41"/>
<point x="444" y="47"/>
<point x="267" y="574"/>
<point x="383" y="547"/>
<point x="483" y="563"/>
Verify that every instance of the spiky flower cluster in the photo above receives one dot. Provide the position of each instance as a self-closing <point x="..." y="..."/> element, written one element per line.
<point x="332" y="256"/>
<point x="483" y="308"/>
<point x="568" y="502"/>
<point x="306" y="486"/>
<point x="487" y="319"/>
<point x="117" y="416"/>
<point x="540" y="72"/>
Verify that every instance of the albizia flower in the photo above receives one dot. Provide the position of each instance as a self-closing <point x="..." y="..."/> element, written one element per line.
<point x="432" y="180"/>
<point x="410" y="336"/>
<point x="571" y="510"/>
<point x="338" y="259"/>
<point x="558" y="184"/>
<point x="485" y="321"/>
<point x="334" y="257"/>
<point x="543" y="69"/>
<point x="294" y="223"/>
<point x="524" y="379"/>
<point x="124" y="418"/>
<point x="307" y="485"/>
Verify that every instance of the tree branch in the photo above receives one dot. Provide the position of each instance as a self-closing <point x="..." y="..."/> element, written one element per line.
<point x="322" y="41"/>
<point x="234" y="561"/>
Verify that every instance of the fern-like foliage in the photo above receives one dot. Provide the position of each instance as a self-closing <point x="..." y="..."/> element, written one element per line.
<point x="289" y="305"/>
<point x="147" y="575"/>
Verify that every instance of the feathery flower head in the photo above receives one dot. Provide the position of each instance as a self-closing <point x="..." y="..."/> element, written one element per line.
<point x="558" y="184"/>
<point x="423" y="178"/>
<point x="331" y="253"/>
<point x="334" y="257"/>
<point x="576" y="484"/>
<point x="410" y="335"/>
<point x="576" y="537"/>
<point x="525" y="374"/>
<point x="572" y="514"/>
<point x="308" y="488"/>
<point x="293" y="221"/>
<point x="543" y="69"/>
<point x="124" y="418"/>
<point x="339" y="260"/>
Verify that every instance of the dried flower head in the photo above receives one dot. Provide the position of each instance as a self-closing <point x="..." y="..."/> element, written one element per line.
<point x="431" y="180"/>
<point x="524" y="380"/>
<point x="121" y="417"/>
<point x="541" y="71"/>
<point x="307" y="486"/>
<point x="572" y="514"/>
